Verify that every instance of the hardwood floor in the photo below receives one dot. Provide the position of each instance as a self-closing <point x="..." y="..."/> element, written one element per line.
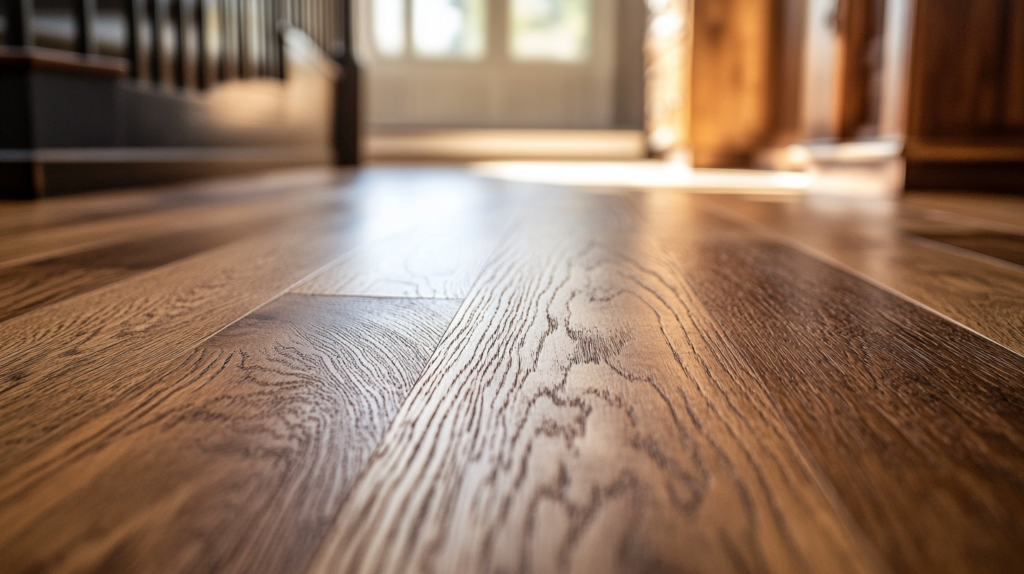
<point x="241" y="454"/>
<point x="417" y="370"/>
<point x="25" y="287"/>
<point x="886" y="246"/>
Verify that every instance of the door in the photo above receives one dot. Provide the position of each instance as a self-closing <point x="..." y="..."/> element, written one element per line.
<point x="494" y="64"/>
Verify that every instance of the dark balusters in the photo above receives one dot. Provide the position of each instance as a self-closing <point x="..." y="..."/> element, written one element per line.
<point x="273" y="44"/>
<point x="153" y="23"/>
<point x="136" y="42"/>
<point x="260" y="35"/>
<point x="210" y="42"/>
<point x="188" y="44"/>
<point x="194" y="44"/>
<point x="19" y="23"/>
<point x="347" y="117"/>
<point x="85" y="26"/>
<point x="230" y="31"/>
<point x="244" y="39"/>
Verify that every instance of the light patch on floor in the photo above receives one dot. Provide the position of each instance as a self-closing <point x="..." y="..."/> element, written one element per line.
<point x="647" y="175"/>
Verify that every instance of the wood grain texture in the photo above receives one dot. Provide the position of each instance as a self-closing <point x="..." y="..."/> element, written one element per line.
<point x="17" y="217"/>
<point x="963" y="74"/>
<point x="860" y="25"/>
<point x="584" y="413"/>
<point x="30" y="286"/>
<point x="48" y="242"/>
<point x="732" y="81"/>
<point x="918" y="423"/>
<point x="62" y="362"/>
<point x="238" y="459"/>
<point x="870" y="239"/>
<point x="636" y="382"/>
<point x="73" y="359"/>
<point x="969" y="208"/>
<point x="1004" y="246"/>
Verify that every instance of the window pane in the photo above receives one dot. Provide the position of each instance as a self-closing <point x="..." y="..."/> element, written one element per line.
<point x="549" y="30"/>
<point x="449" y="29"/>
<point x="389" y="27"/>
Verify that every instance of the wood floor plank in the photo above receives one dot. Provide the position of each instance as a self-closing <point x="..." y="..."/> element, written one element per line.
<point x="41" y="244"/>
<point x="979" y="294"/>
<point x="1004" y="246"/>
<point x="965" y="207"/>
<point x="70" y="360"/>
<point x="238" y="460"/>
<point x="918" y="423"/>
<point x="439" y="259"/>
<point x="62" y="362"/>
<point x="17" y="217"/>
<point x="584" y="413"/>
<point x="34" y="285"/>
<point x="636" y="382"/>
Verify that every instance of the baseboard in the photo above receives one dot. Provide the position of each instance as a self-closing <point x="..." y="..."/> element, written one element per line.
<point x="28" y="174"/>
<point x="1001" y="176"/>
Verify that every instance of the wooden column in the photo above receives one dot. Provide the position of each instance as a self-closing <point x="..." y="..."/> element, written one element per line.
<point x="732" y="115"/>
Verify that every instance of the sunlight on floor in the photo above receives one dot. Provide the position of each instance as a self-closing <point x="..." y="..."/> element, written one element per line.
<point x="647" y="174"/>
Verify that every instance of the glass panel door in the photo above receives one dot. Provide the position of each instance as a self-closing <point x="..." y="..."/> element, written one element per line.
<point x="549" y="30"/>
<point x="489" y="63"/>
<point x="440" y="29"/>
<point x="449" y="29"/>
<point x="388" y="28"/>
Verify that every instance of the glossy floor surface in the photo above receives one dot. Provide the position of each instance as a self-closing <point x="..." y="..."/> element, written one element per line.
<point x="421" y="370"/>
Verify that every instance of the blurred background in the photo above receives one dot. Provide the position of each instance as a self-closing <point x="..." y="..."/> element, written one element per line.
<point x="858" y="97"/>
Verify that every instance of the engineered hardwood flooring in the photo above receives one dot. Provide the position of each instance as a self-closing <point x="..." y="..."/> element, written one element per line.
<point x="33" y="285"/>
<point x="419" y="370"/>
<point x="923" y="445"/>
<point x="238" y="459"/>
<point x="116" y="341"/>
<point x="63" y="361"/>
<point x="1004" y="246"/>
<point x="48" y="242"/>
<point x="971" y="207"/>
<point x="17" y="217"/>
<point x="583" y="414"/>
<point x="439" y="260"/>
<point x="874" y="240"/>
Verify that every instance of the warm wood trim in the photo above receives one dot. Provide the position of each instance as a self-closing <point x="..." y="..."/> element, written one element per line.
<point x="898" y="39"/>
<point x="990" y="176"/>
<point x="963" y="152"/>
<point x="61" y="61"/>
